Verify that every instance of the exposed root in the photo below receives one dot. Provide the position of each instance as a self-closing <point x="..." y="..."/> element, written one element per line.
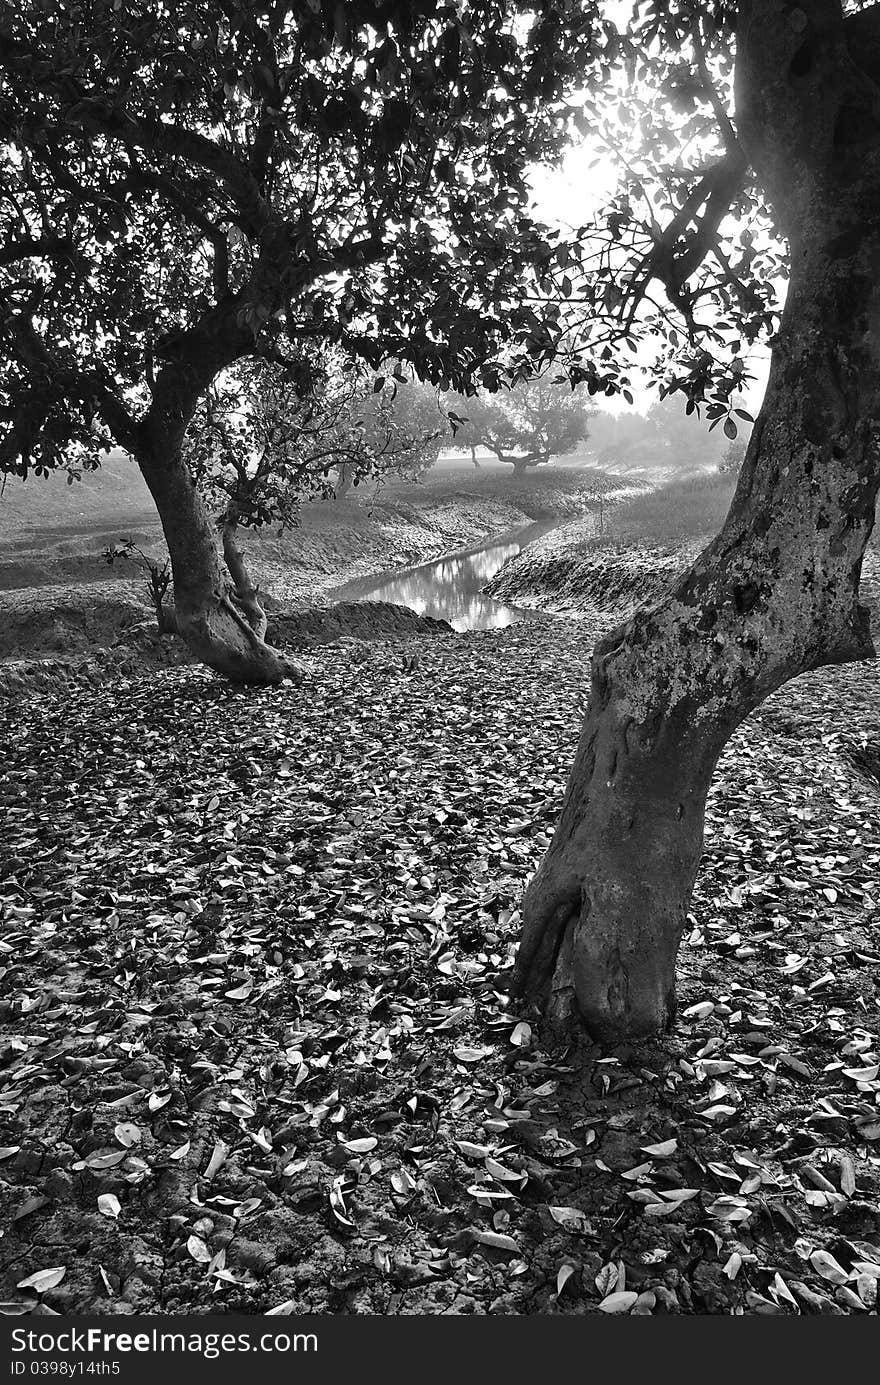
<point x="547" y="920"/>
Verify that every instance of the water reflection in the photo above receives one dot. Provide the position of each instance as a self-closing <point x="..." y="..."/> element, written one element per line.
<point x="449" y="588"/>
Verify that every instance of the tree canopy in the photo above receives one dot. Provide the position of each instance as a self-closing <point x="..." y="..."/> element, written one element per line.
<point x="187" y="184"/>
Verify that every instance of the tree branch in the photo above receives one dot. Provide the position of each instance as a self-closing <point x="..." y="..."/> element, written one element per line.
<point x="725" y="124"/>
<point x="34" y="247"/>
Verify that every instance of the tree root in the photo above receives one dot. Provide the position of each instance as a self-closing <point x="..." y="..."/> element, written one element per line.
<point x="549" y="913"/>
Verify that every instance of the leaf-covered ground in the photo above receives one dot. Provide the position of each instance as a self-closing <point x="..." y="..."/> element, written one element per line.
<point x="255" y="1052"/>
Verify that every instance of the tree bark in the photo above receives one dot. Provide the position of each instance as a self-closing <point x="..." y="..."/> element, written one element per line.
<point x="206" y="619"/>
<point x="245" y="592"/>
<point x="775" y="594"/>
<point x="343" y="483"/>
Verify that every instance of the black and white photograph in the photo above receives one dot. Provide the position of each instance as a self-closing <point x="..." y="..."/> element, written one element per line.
<point x="439" y="717"/>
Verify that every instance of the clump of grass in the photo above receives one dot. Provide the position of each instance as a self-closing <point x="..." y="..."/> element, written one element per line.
<point x="685" y="508"/>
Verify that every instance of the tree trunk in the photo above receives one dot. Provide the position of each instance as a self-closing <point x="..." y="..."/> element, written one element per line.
<point x="474" y="458"/>
<point x="206" y="619"/>
<point x="520" y="464"/>
<point x="245" y="591"/>
<point x="343" y="483"/>
<point x="775" y="594"/>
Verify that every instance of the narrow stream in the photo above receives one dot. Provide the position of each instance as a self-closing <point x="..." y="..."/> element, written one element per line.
<point x="448" y="588"/>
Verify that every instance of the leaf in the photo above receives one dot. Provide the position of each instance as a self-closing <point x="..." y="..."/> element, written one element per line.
<point x="240" y="992"/>
<point x="572" y="1218"/>
<point x="198" y="1250"/>
<point x="865" y="1074"/>
<point x="733" y="1265"/>
<point x="127" y="1134"/>
<point x="501" y="1172"/>
<point x="717" y="1113"/>
<point x="700" y="1011"/>
<point x="472" y="1055"/>
<point x="522" y="1035"/>
<point x="662" y="1150"/>
<point x="563" y="1276"/>
<point x="217" y="1159"/>
<point x="640" y="1171"/>
<point x="472" y="1151"/>
<point x="43" y="1279"/>
<point x="826" y="1265"/>
<point x="109" y="1205"/>
<point x="105" y="1161"/>
<point x="620" y="1302"/>
<point x="497" y="1240"/>
<point x="606" y="1279"/>
<point x="362" y="1146"/>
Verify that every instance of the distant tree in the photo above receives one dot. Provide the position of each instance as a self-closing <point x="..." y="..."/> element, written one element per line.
<point x="681" y="440"/>
<point x="667" y="435"/>
<point x="183" y="187"/>
<point x="527" y="425"/>
<point x="402" y="428"/>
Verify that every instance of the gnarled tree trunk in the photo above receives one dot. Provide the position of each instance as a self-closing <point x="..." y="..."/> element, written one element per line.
<point x="216" y="632"/>
<point x="775" y="594"/>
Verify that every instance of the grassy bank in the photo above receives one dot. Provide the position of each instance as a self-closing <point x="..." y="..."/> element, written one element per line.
<point x="639" y="548"/>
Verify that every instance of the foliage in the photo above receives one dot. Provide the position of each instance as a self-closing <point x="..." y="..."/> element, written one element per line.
<point x="680" y="274"/>
<point x="184" y="187"/>
<point x="527" y="425"/>
<point x="258" y="446"/>
<point x="203" y="184"/>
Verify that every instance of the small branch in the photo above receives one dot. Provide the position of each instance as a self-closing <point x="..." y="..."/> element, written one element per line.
<point x="725" y="124"/>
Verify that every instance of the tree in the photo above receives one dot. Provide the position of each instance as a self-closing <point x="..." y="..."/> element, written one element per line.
<point x="690" y="259"/>
<point x="185" y="187"/>
<point x="397" y="431"/>
<point x="526" y="425"/>
<point x="257" y="446"/>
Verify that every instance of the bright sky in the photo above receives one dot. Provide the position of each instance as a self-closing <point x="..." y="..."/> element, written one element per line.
<point x="570" y="194"/>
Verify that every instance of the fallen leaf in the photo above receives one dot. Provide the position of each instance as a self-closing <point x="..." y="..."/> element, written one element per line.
<point x="43" y="1279"/>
